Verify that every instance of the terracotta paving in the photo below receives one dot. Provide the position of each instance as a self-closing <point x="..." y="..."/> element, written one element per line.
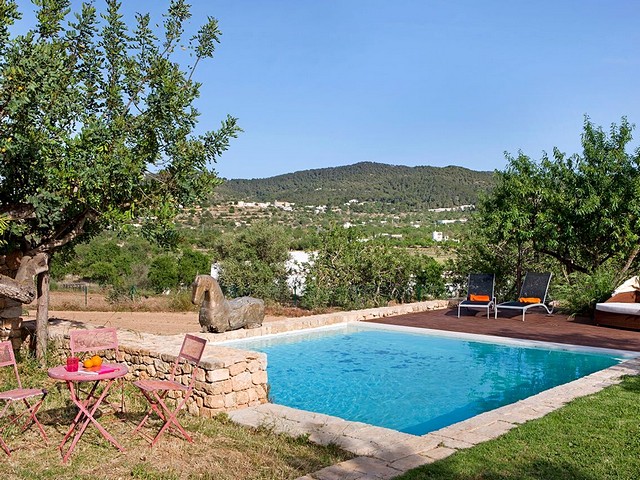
<point x="537" y="326"/>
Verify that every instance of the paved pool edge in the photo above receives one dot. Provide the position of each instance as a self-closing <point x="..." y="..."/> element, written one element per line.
<point x="384" y="453"/>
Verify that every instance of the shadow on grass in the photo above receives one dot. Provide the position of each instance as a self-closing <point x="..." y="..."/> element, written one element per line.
<point x="631" y="384"/>
<point x="450" y="469"/>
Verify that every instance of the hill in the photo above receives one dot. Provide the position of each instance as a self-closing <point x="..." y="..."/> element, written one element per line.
<point x="399" y="187"/>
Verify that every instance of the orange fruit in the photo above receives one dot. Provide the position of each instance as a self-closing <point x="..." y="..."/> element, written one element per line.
<point x="97" y="361"/>
<point x="88" y="363"/>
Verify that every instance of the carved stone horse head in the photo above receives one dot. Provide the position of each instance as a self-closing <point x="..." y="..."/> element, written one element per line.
<point x="207" y="286"/>
<point x="214" y="309"/>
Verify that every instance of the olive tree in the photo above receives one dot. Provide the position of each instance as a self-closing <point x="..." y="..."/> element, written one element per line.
<point x="253" y="261"/>
<point x="97" y="127"/>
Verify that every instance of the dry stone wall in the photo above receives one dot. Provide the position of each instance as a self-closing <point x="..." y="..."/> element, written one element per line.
<point x="227" y="379"/>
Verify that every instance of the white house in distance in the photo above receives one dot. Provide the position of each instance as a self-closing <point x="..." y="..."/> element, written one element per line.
<point x="439" y="237"/>
<point x="295" y="266"/>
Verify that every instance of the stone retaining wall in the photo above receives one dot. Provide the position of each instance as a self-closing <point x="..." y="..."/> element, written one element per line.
<point x="314" y="321"/>
<point x="229" y="379"/>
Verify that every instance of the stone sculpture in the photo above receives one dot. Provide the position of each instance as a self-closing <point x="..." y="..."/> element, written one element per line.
<point x="218" y="314"/>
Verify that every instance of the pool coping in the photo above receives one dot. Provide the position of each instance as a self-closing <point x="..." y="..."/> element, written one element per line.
<point x="383" y="453"/>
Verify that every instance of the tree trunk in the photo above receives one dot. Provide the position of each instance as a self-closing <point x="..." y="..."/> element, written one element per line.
<point x="519" y="269"/>
<point x="627" y="265"/>
<point x="42" y="317"/>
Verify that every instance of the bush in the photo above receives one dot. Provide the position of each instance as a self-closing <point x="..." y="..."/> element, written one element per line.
<point x="181" y="302"/>
<point x="253" y="262"/>
<point x="349" y="272"/>
<point x="580" y="295"/>
<point x="105" y="274"/>
<point x="163" y="273"/>
<point x="190" y="264"/>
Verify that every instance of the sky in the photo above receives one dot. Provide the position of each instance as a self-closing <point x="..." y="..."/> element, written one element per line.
<point x="324" y="83"/>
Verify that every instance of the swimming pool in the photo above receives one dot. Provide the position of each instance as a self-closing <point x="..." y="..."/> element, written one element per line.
<point x="411" y="382"/>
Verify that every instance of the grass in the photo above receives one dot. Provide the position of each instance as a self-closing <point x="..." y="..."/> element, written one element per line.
<point x="593" y="438"/>
<point x="221" y="449"/>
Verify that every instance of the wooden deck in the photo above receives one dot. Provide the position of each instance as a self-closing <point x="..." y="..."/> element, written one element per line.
<point x="537" y="326"/>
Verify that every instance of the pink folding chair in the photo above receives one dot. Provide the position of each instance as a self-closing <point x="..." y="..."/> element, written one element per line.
<point x="16" y="395"/>
<point x="93" y="341"/>
<point x="155" y="391"/>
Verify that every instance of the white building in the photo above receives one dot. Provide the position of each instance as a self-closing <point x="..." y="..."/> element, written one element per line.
<point x="296" y="269"/>
<point x="438" y="237"/>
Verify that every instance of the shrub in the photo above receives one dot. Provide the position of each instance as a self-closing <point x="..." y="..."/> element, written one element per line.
<point x="163" y="273"/>
<point x="580" y="294"/>
<point x="190" y="264"/>
<point x="349" y="272"/>
<point x="253" y="262"/>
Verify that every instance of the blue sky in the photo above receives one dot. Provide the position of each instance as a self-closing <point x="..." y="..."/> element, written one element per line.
<point x="322" y="83"/>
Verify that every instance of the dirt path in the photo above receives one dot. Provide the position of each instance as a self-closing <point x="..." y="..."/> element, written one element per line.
<point x="160" y="323"/>
<point x="73" y="306"/>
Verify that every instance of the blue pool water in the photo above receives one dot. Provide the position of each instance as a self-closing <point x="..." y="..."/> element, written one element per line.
<point x="414" y="383"/>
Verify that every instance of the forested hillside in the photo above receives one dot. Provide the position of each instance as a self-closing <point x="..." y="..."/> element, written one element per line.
<point x="404" y="187"/>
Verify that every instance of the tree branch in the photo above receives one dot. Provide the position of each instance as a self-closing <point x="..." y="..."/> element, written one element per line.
<point x="56" y="241"/>
<point x="18" y="212"/>
<point x="627" y="265"/>
<point x="570" y="264"/>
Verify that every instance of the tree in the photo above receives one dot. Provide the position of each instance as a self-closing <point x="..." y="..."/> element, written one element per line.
<point x="350" y="271"/>
<point x="577" y="214"/>
<point x="590" y="207"/>
<point x="253" y="262"/>
<point x="190" y="264"/>
<point x="163" y="273"/>
<point x="508" y="215"/>
<point x="97" y="125"/>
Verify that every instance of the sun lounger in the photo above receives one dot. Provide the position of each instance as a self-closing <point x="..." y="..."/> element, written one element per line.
<point x="533" y="294"/>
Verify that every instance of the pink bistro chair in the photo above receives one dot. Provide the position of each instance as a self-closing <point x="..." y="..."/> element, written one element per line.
<point x="11" y="397"/>
<point x="155" y="390"/>
<point x="96" y="340"/>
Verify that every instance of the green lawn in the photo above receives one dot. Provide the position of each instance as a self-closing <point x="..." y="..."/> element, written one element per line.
<point x="593" y="438"/>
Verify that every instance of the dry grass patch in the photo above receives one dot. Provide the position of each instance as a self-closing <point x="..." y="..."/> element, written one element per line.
<point x="221" y="449"/>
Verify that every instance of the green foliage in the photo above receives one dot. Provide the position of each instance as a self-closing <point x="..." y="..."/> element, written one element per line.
<point x="565" y="214"/>
<point x="107" y="251"/>
<point x="98" y="124"/>
<point x="589" y="204"/>
<point x="350" y="272"/>
<point x="190" y="264"/>
<point x="382" y="187"/>
<point x="479" y="252"/>
<point x="163" y="273"/>
<point x="429" y="278"/>
<point x="105" y="273"/>
<point x="580" y="295"/>
<point x="253" y="262"/>
<point x="111" y="261"/>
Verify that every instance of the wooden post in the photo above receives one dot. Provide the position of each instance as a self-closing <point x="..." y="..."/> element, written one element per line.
<point x="42" y="317"/>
